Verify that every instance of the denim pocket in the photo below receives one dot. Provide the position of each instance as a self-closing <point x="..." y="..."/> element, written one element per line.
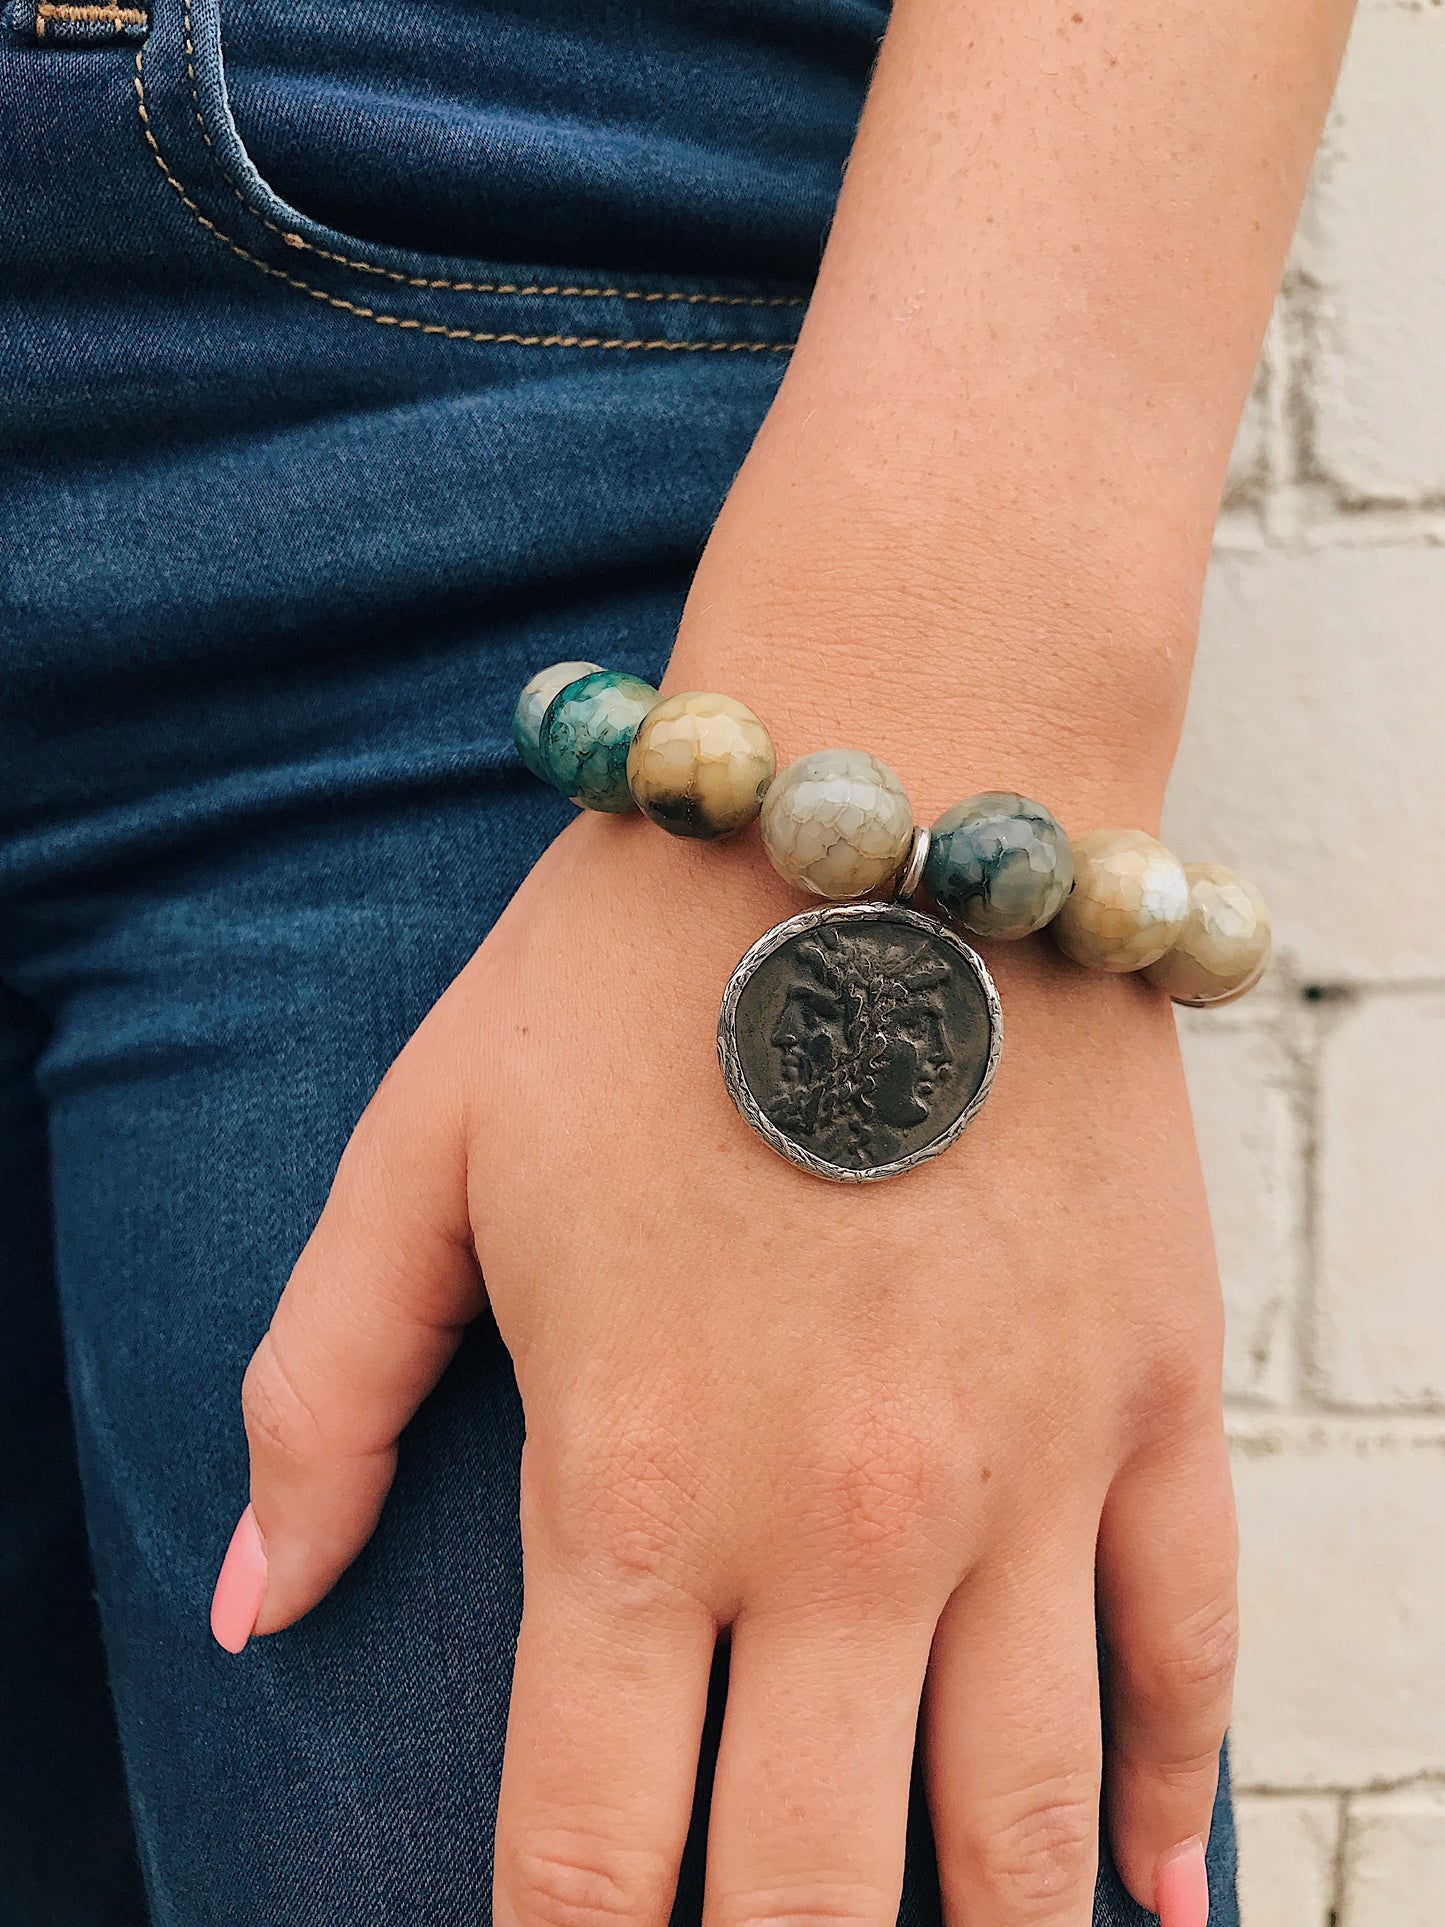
<point x="190" y="129"/>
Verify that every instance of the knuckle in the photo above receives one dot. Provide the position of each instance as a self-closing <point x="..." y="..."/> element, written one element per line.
<point x="280" y="1422"/>
<point x="1039" y="1849"/>
<point x="613" y="1505"/>
<point x="878" y="1482"/>
<point x="365" y="1184"/>
<point x="1193" y="1672"/>
<point x="1177" y="1383"/>
<point x="1187" y="1777"/>
<point x="808" y="1902"/>
<point x="1179" y="1386"/>
<point x="565" y="1879"/>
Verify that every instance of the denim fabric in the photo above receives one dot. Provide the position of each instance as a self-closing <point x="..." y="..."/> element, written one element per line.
<point x="290" y="511"/>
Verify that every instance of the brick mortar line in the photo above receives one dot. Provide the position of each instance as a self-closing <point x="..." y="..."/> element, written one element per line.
<point x="1426" y="1427"/>
<point x="1299" y="1029"/>
<point x="1251" y="1407"/>
<point x="1245" y="496"/>
<point x="1258" y="1413"/>
<point x="1426" y="1781"/>
<point x="1340" y="1864"/>
<point x="1267" y="1434"/>
<point x="1351" y="991"/>
<point x="1311" y="1376"/>
<point x="1308" y="527"/>
<point x="1359" y="507"/>
<point x="1275" y="506"/>
<point x="1302" y="1039"/>
<point x="1423" y="1409"/>
<point x="1301" y="313"/>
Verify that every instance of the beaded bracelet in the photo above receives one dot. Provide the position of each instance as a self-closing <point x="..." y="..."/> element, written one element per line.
<point x="860" y="1039"/>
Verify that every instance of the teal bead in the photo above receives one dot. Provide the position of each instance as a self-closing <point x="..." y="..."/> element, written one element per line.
<point x="998" y="865"/>
<point x="586" y="733"/>
<point x="532" y="707"/>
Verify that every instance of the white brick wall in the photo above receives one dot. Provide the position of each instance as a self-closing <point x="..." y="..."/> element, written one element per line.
<point x="1396" y="1860"/>
<point x="1380" y="1338"/>
<point x="1314" y="758"/>
<point x="1287" y="1846"/>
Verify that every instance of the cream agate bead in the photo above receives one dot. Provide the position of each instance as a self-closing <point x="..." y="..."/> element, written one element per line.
<point x="700" y="765"/>
<point x="837" y="822"/>
<point x="532" y="707"/>
<point x="1129" y="901"/>
<point x="1224" y="946"/>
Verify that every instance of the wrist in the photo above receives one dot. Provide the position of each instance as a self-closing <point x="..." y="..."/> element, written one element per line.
<point x="690" y="910"/>
<point x="860" y="1038"/>
<point x="1004" y="662"/>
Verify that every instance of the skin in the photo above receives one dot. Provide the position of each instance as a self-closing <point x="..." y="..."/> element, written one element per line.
<point x="897" y="1441"/>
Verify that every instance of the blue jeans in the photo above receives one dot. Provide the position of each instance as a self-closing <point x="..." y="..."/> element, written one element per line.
<point x="293" y="503"/>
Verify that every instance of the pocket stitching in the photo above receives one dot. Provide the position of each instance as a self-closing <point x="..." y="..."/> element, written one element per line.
<point x="294" y="240"/>
<point x="385" y="319"/>
<point x="110" y="14"/>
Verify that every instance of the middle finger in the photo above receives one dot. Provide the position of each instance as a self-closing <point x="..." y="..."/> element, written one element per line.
<point x="810" y="1803"/>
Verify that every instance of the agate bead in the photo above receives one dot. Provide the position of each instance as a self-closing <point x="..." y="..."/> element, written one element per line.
<point x="837" y="822"/>
<point x="586" y="733"/>
<point x="700" y="765"/>
<point x="1224" y="946"/>
<point x="998" y="865"/>
<point x="532" y="707"/>
<point x="1128" y="904"/>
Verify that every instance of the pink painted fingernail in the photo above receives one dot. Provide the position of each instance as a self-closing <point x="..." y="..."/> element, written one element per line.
<point x="240" y="1586"/>
<point x="1181" y="1887"/>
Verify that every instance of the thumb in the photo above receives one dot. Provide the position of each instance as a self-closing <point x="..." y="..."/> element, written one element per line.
<point x="369" y="1319"/>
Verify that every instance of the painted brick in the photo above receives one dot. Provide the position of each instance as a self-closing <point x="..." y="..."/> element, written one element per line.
<point x="1311" y="758"/>
<point x="1313" y="747"/>
<point x="1286" y="1859"/>
<point x="1395" y="1861"/>
<point x="1381" y="1300"/>
<point x="1371" y="244"/>
<point x="1241" y="1087"/>
<point x="1342" y="1672"/>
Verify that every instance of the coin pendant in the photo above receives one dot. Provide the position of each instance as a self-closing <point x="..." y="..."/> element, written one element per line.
<point x="859" y="1039"/>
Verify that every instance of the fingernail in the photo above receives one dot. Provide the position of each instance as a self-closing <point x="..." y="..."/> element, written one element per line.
<point x="240" y="1586"/>
<point x="1181" y="1887"/>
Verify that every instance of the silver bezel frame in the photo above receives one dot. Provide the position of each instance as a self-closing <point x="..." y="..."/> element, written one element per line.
<point x="732" y="1070"/>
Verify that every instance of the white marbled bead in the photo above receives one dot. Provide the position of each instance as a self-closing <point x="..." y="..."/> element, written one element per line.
<point x="1128" y="904"/>
<point x="700" y="765"/>
<point x="532" y="707"/>
<point x="837" y="822"/>
<point x="1224" y="946"/>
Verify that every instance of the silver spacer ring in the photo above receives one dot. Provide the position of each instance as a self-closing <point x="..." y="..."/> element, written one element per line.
<point x="911" y="875"/>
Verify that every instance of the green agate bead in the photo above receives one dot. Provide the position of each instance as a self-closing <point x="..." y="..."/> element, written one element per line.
<point x="998" y="865"/>
<point x="1128" y="903"/>
<point x="1224" y="946"/>
<point x="586" y="733"/>
<point x="837" y="823"/>
<point x="700" y="765"/>
<point x="532" y="707"/>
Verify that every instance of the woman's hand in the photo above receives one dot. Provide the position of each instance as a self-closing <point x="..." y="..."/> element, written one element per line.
<point x="890" y="1438"/>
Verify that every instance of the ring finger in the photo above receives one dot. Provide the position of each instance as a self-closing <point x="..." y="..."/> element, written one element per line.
<point x="1012" y="1740"/>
